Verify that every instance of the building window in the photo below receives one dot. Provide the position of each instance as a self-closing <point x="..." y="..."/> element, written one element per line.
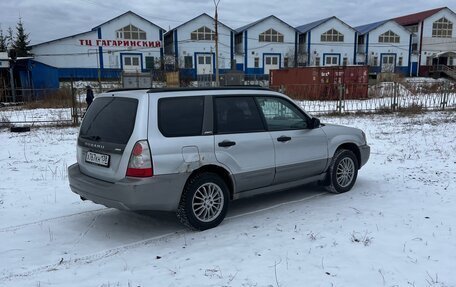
<point x="399" y="62"/>
<point x="188" y="62"/>
<point x="345" y="61"/>
<point x="150" y="62"/>
<point x="257" y="62"/>
<point x="317" y="61"/>
<point x="332" y="36"/>
<point x="412" y="28"/>
<point x="389" y="37"/>
<point x="442" y="28"/>
<point x="331" y="60"/>
<point x="203" y="34"/>
<point x="271" y="35"/>
<point x="375" y="61"/>
<point x="361" y="39"/>
<point x="131" y="32"/>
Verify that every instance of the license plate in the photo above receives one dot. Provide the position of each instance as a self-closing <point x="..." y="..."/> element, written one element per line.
<point x="97" y="158"/>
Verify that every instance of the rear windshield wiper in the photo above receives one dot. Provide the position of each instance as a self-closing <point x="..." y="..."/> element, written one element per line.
<point x="92" y="138"/>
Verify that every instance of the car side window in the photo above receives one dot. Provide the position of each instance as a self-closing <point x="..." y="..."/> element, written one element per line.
<point x="237" y="115"/>
<point x="180" y="117"/>
<point x="281" y="114"/>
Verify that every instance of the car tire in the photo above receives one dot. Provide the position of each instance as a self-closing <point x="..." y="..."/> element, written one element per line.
<point x="204" y="202"/>
<point x="342" y="172"/>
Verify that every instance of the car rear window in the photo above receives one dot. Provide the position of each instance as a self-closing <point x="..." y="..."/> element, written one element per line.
<point x="179" y="117"/>
<point x="110" y="120"/>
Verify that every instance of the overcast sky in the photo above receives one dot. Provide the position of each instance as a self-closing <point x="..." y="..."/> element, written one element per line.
<point x="52" y="19"/>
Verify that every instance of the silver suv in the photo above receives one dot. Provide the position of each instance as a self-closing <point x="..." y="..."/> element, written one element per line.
<point x="193" y="150"/>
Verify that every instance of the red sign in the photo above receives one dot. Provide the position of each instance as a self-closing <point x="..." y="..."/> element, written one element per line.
<point x="120" y="43"/>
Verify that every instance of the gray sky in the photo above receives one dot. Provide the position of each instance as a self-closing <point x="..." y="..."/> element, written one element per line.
<point x="52" y="19"/>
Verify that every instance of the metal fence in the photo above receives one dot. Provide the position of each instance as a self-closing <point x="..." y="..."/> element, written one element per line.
<point x="66" y="105"/>
<point x="388" y="96"/>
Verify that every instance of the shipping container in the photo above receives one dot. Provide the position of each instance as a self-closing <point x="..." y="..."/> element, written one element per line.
<point x="321" y="83"/>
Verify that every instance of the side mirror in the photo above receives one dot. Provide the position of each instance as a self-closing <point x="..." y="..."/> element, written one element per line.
<point x="314" y="123"/>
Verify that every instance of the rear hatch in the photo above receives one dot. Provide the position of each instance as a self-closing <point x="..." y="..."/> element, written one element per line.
<point x="110" y="128"/>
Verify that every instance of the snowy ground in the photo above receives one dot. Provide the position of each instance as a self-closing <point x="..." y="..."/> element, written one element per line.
<point x="395" y="228"/>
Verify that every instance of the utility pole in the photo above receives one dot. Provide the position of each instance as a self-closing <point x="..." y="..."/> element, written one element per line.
<point x="217" y="80"/>
<point x="13" y="57"/>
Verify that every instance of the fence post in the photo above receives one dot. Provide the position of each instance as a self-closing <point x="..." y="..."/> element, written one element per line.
<point x="445" y="92"/>
<point x="341" y="95"/>
<point x="394" y="103"/>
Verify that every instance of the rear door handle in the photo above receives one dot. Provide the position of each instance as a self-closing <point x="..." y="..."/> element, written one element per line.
<point x="226" y="143"/>
<point x="283" y="139"/>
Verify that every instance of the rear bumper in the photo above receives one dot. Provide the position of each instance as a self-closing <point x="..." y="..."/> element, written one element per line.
<point x="365" y="154"/>
<point x="161" y="192"/>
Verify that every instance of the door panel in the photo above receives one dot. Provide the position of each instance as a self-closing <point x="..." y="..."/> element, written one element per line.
<point x="250" y="159"/>
<point x="304" y="155"/>
<point x="242" y="143"/>
<point x="131" y="63"/>
<point x="204" y="64"/>
<point x="388" y="63"/>
<point x="300" y="152"/>
<point x="271" y="63"/>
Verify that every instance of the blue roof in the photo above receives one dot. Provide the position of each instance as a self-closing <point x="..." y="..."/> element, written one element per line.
<point x="307" y="27"/>
<point x="243" y="28"/>
<point x="369" y="27"/>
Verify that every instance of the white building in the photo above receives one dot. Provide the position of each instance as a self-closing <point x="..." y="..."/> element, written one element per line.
<point x="191" y="47"/>
<point x="385" y="46"/>
<point x="326" y="42"/>
<point x="266" y="44"/>
<point x="434" y="40"/>
<point x="127" y="43"/>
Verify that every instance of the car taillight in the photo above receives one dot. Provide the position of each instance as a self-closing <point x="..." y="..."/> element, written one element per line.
<point x="140" y="164"/>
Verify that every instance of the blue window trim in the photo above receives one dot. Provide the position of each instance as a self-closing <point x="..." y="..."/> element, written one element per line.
<point x="100" y="49"/>
<point x="161" y="47"/>
<point x="388" y="54"/>
<point x="176" y="50"/>
<point x="308" y="48"/>
<point x="232" y="48"/>
<point x="131" y="54"/>
<point x="195" y="59"/>
<point x="410" y="57"/>
<point x="245" y="51"/>
<point x="366" y="40"/>
<point x="356" y="44"/>
<point x="296" y="49"/>
<point x="331" y="54"/>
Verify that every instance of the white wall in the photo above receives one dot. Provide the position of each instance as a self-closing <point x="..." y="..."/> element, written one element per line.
<point x="69" y="53"/>
<point x="258" y="49"/>
<point x="345" y="49"/>
<point x="400" y="49"/>
<point x="433" y="45"/>
<point x="188" y="47"/>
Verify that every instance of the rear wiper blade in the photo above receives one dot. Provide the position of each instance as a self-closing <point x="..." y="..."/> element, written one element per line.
<point x="92" y="138"/>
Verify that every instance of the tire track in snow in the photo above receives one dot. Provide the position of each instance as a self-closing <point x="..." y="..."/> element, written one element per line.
<point x="90" y="258"/>
<point x="20" y="226"/>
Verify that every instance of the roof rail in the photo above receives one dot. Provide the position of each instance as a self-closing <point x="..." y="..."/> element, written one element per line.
<point x="126" y="89"/>
<point x="250" y="87"/>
